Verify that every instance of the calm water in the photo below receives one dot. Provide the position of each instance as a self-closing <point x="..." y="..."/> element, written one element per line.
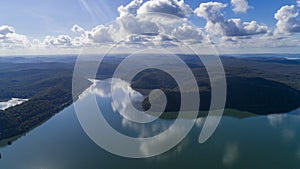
<point x="258" y="142"/>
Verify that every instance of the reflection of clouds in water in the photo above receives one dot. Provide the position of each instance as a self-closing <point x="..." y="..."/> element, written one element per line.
<point x="231" y="154"/>
<point x="124" y="99"/>
<point x="276" y="119"/>
<point x="154" y="129"/>
<point x="279" y="121"/>
<point x="128" y="102"/>
<point x="11" y="103"/>
<point x="158" y="142"/>
<point x="288" y="134"/>
<point x="98" y="87"/>
<point x="103" y="90"/>
<point x="121" y="90"/>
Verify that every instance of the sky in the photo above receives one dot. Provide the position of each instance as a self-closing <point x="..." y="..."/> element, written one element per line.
<point x="68" y="26"/>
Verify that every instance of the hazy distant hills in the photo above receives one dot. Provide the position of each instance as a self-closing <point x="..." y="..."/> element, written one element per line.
<point x="38" y="59"/>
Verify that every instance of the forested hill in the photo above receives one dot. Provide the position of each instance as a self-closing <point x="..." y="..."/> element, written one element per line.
<point x="47" y="85"/>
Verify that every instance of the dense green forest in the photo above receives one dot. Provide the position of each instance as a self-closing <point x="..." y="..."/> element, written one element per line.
<point x="47" y="85"/>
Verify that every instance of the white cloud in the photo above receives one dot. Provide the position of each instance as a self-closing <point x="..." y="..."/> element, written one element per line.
<point x="240" y="6"/>
<point x="136" y="25"/>
<point x="172" y="7"/>
<point x="131" y="8"/>
<point x="98" y="35"/>
<point x="287" y="21"/>
<point x="78" y="29"/>
<point x="211" y="11"/>
<point x="217" y="24"/>
<point x="101" y="34"/>
<point x="235" y="27"/>
<point x="188" y="33"/>
<point x="60" y="41"/>
<point x="4" y="30"/>
<point x="133" y="26"/>
<point x="9" y="38"/>
<point x="298" y="3"/>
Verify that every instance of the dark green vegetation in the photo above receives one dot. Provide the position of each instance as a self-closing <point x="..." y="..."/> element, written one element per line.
<point x="257" y="85"/>
<point x="47" y="85"/>
<point x="261" y="86"/>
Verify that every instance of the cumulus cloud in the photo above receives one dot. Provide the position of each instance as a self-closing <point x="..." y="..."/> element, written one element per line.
<point x="172" y="7"/>
<point x="60" y="41"/>
<point x="9" y="37"/>
<point x="235" y="27"/>
<point x="287" y="21"/>
<point x="98" y="35"/>
<point x="133" y="27"/>
<point x="101" y="34"/>
<point x="240" y="6"/>
<point x="4" y="30"/>
<point x="131" y="8"/>
<point x="298" y="3"/>
<point x="136" y="25"/>
<point x="217" y="24"/>
<point x="188" y="33"/>
<point x="78" y="29"/>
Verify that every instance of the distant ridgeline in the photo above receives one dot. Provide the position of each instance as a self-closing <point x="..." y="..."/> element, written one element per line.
<point x="257" y="85"/>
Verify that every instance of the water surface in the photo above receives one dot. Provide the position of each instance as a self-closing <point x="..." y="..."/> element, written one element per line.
<point x="258" y="142"/>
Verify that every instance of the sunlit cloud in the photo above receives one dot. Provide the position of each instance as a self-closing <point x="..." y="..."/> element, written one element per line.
<point x="136" y="26"/>
<point x="240" y="6"/>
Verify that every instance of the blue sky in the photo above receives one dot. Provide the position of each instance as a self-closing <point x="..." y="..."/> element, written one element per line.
<point x="41" y="18"/>
<point x="37" y="19"/>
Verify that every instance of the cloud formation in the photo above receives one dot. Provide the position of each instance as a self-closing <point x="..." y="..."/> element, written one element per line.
<point x="9" y="37"/>
<point x="172" y="7"/>
<point x="217" y="24"/>
<point x="287" y="21"/>
<point x="130" y="9"/>
<point x="134" y="26"/>
<point x="60" y="41"/>
<point x="240" y="6"/>
<point x="188" y="33"/>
